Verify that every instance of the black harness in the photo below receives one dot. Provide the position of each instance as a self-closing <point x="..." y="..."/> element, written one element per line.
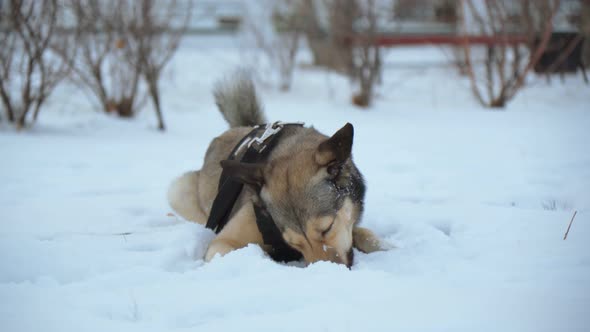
<point x="253" y="148"/>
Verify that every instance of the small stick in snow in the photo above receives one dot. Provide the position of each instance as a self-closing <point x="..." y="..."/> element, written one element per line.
<point x="570" y="225"/>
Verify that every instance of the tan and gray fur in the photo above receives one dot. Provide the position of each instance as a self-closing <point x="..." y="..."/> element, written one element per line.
<point x="309" y="185"/>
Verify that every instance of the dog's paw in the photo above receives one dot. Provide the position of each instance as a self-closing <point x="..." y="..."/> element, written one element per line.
<point x="366" y="241"/>
<point x="217" y="248"/>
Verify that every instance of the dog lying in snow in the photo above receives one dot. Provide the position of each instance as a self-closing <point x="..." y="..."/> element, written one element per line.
<point x="302" y="197"/>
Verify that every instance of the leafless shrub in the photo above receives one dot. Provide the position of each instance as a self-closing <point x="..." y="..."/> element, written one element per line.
<point x="274" y="28"/>
<point x="342" y="16"/>
<point x="456" y="56"/>
<point x="151" y="41"/>
<point x="506" y="61"/>
<point x="123" y="42"/>
<point x="315" y="33"/>
<point x="29" y="71"/>
<point x="328" y="27"/>
<point x="347" y="40"/>
<point x="366" y="60"/>
<point x="101" y="66"/>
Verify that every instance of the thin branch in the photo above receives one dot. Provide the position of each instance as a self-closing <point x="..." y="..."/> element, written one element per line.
<point x="467" y="52"/>
<point x="570" y="225"/>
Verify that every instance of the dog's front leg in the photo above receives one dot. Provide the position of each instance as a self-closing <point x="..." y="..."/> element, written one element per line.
<point x="240" y="230"/>
<point x="366" y="241"/>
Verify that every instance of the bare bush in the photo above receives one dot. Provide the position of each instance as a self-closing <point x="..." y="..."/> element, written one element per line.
<point x="151" y="41"/>
<point x="342" y="16"/>
<point x="122" y="44"/>
<point x="366" y="60"/>
<point x="101" y="66"/>
<point x="507" y="58"/>
<point x="329" y="29"/>
<point x="346" y="41"/>
<point x="29" y="71"/>
<point x="315" y="33"/>
<point x="275" y="28"/>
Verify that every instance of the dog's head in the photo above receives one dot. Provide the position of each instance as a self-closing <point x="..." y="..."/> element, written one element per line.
<point x="313" y="191"/>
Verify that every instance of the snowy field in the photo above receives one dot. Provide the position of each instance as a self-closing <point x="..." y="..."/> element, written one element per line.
<point x="477" y="203"/>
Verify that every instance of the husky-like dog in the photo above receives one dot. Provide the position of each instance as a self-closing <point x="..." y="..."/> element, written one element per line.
<point x="308" y="184"/>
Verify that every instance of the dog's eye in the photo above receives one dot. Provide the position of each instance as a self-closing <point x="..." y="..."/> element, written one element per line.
<point x="325" y="231"/>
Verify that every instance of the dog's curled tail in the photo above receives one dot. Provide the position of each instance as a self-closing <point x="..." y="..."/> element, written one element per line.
<point x="237" y="100"/>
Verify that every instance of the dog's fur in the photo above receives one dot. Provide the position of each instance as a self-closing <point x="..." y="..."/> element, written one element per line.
<point x="309" y="185"/>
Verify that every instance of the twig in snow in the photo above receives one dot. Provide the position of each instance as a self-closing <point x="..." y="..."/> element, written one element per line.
<point x="570" y="225"/>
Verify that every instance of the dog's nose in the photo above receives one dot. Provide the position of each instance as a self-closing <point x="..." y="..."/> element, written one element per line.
<point x="330" y="255"/>
<point x="349" y="258"/>
<point x="346" y="259"/>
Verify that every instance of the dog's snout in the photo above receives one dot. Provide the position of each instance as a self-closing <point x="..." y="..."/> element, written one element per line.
<point x="349" y="258"/>
<point x="330" y="255"/>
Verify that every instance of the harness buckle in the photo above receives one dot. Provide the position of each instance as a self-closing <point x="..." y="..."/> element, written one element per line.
<point x="270" y="130"/>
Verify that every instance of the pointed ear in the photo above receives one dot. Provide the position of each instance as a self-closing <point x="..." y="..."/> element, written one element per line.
<point x="244" y="172"/>
<point x="337" y="148"/>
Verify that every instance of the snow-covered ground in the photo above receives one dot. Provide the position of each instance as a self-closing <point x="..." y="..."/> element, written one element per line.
<point x="476" y="201"/>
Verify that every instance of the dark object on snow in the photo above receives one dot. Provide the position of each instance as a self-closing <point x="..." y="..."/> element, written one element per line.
<point x="562" y="55"/>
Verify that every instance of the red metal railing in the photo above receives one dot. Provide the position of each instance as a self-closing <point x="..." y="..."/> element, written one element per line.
<point x="388" y="41"/>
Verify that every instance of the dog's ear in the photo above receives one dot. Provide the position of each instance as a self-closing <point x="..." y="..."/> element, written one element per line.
<point x="244" y="172"/>
<point x="337" y="148"/>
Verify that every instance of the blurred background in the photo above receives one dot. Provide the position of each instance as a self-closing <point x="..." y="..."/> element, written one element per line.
<point x="120" y="53"/>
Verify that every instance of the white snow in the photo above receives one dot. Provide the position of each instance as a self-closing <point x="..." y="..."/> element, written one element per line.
<point x="477" y="203"/>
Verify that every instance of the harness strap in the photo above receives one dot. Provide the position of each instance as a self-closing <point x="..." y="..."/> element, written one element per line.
<point x="259" y="142"/>
<point x="228" y="191"/>
<point x="271" y="235"/>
